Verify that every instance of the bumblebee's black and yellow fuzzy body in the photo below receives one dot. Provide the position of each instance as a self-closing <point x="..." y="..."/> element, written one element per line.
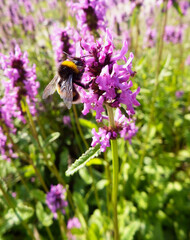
<point x="69" y="72"/>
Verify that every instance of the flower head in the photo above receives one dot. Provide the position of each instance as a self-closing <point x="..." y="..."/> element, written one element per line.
<point x="72" y="223"/>
<point x="21" y="81"/>
<point x="124" y="128"/>
<point x="55" y="199"/>
<point x="89" y="14"/>
<point x="64" y="40"/>
<point x="109" y="82"/>
<point x="174" y="34"/>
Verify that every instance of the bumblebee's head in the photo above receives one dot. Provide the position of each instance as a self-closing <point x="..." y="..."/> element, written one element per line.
<point x="78" y="61"/>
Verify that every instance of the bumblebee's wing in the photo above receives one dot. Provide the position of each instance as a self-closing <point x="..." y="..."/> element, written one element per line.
<point x="66" y="91"/>
<point x="51" y="87"/>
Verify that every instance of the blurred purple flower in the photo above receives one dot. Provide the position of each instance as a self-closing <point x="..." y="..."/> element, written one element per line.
<point x="67" y="121"/>
<point x="14" y="194"/>
<point x="55" y="199"/>
<point x="6" y="150"/>
<point x="64" y="40"/>
<point x="174" y="34"/>
<point x="179" y="94"/>
<point x="187" y="62"/>
<point x="150" y="38"/>
<point x="73" y="223"/>
<point x="89" y="14"/>
<point x="184" y="5"/>
<point x="21" y="82"/>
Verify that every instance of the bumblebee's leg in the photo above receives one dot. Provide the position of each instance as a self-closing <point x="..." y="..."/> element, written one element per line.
<point x="85" y="86"/>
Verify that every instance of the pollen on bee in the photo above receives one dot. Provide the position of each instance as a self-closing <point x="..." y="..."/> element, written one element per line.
<point x="70" y="64"/>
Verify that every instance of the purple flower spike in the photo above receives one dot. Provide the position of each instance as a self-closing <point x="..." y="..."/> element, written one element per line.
<point x="64" y="40"/>
<point x="21" y="82"/>
<point x="109" y="82"/>
<point x="55" y="199"/>
<point x="89" y="14"/>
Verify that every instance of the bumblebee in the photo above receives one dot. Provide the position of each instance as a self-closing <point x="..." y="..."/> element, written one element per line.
<point x="69" y="72"/>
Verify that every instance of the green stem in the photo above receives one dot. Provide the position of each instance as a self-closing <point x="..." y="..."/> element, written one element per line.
<point x="62" y="226"/>
<point x="115" y="161"/>
<point x="108" y="177"/>
<point x="49" y="233"/>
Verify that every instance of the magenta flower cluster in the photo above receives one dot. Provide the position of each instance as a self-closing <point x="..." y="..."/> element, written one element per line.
<point x="21" y="81"/>
<point x="90" y="14"/>
<point x="124" y="128"/>
<point x="72" y="223"/>
<point x="150" y="38"/>
<point x="110" y="84"/>
<point x="174" y="34"/>
<point x="55" y="199"/>
<point x="64" y="40"/>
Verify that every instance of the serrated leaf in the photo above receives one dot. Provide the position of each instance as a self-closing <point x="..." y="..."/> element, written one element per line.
<point x="130" y="230"/>
<point x="81" y="162"/>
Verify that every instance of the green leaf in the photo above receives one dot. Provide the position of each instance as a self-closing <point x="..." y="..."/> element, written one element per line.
<point x="102" y="183"/>
<point x="79" y="201"/>
<point x="43" y="217"/>
<point x="95" y="161"/>
<point x="85" y="175"/>
<point x="177" y="7"/>
<point x="24" y="211"/>
<point x="51" y="138"/>
<point x="129" y="231"/>
<point x="88" y="124"/>
<point x="187" y="117"/>
<point x="38" y="195"/>
<point x="81" y="162"/>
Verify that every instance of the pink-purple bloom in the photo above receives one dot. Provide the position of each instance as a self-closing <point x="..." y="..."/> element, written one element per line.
<point x="179" y="93"/>
<point x="124" y="128"/>
<point x="67" y="121"/>
<point x="64" y="40"/>
<point x="55" y="199"/>
<point x="174" y="34"/>
<point x="109" y="82"/>
<point x="72" y="223"/>
<point x="187" y="61"/>
<point x="90" y="14"/>
<point x="21" y="81"/>
<point x="150" y="38"/>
